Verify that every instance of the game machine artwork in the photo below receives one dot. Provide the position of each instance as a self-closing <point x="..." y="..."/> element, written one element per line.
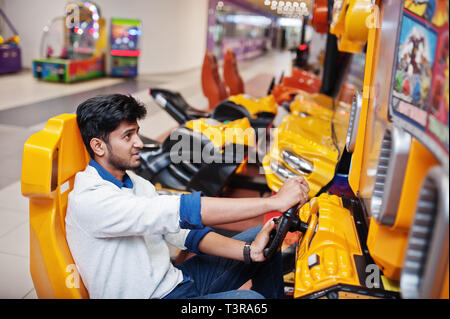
<point x="420" y="94"/>
<point x="125" y="51"/>
<point x="10" y="57"/>
<point x="72" y="46"/>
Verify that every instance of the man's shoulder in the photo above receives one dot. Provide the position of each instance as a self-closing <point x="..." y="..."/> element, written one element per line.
<point x="88" y="179"/>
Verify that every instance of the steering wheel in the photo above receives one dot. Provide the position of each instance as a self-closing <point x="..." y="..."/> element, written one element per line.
<point x="288" y="222"/>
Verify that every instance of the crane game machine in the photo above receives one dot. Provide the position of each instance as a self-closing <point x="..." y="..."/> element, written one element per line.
<point x="125" y="51"/>
<point x="10" y="57"/>
<point x="389" y="240"/>
<point x="72" y="46"/>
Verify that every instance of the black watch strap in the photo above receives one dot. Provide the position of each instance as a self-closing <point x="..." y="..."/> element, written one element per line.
<point x="247" y="258"/>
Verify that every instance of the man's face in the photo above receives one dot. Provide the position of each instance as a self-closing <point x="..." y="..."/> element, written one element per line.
<point x="124" y="146"/>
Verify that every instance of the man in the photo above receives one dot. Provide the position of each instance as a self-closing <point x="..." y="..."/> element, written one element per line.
<point x="117" y="225"/>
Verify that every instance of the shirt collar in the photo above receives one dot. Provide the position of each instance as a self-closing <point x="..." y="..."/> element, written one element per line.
<point x="127" y="182"/>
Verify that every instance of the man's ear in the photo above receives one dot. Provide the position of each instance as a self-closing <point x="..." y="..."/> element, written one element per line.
<point x="98" y="146"/>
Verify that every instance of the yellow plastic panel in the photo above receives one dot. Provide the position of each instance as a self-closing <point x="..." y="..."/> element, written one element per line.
<point x="51" y="158"/>
<point x="325" y="252"/>
<point x="256" y="105"/>
<point x="301" y="107"/>
<point x="387" y="244"/>
<point x="310" y="138"/>
<point x="357" y="156"/>
<point x="220" y="134"/>
<point x="350" y="23"/>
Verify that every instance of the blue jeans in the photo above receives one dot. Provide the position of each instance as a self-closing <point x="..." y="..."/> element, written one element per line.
<point x="212" y="277"/>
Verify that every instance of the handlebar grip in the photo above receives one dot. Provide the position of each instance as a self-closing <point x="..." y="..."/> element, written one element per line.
<point x="282" y="228"/>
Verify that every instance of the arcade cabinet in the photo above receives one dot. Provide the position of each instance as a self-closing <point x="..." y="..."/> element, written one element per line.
<point x="390" y="238"/>
<point x="72" y="46"/>
<point x="125" y="51"/>
<point x="10" y="57"/>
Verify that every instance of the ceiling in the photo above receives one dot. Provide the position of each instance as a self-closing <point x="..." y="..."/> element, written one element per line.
<point x="288" y="8"/>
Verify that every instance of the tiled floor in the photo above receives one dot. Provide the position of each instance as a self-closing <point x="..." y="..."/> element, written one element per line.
<point x="25" y="101"/>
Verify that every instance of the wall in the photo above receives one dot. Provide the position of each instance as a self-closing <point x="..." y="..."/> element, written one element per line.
<point x="174" y="31"/>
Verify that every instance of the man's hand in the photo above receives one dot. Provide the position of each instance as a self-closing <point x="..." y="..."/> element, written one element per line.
<point x="260" y="242"/>
<point x="294" y="190"/>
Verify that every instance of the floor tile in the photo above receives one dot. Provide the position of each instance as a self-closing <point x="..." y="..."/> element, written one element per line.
<point x="15" y="277"/>
<point x="12" y="164"/>
<point x="17" y="241"/>
<point x="31" y="295"/>
<point x="11" y="197"/>
<point x="22" y="88"/>
<point x="6" y="181"/>
<point x="10" y="220"/>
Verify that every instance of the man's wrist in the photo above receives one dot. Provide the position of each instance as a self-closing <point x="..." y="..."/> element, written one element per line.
<point x="255" y="254"/>
<point x="271" y="204"/>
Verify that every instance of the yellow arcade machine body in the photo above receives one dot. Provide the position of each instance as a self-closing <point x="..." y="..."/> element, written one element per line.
<point x="391" y="240"/>
<point x="51" y="158"/>
<point x="304" y="146"/>
<point x="311" y="140"/>
<point x="266" y="104"/>
<point x="221" y="134"/>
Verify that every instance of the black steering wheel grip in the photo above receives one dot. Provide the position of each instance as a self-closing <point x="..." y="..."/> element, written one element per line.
<point x="277" y="235"/>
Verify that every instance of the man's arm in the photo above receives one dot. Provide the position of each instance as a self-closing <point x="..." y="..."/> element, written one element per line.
<point x="221" y="246"/>
<point x="215" y="211"/>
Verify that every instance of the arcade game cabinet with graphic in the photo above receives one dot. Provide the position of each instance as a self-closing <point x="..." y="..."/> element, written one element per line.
<point x="10" y="57"/>
<point x="72" y="46"/>
<point x="125" y="51"/>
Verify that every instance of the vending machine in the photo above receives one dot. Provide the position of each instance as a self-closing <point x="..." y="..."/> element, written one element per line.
<point x="125" y="51"/>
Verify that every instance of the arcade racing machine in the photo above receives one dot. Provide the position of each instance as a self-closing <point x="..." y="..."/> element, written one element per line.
<point x="389" y="240"/>
<point x="201" y="155"/>
<point x="222" y="107"/>
<point x="72" y="46"/>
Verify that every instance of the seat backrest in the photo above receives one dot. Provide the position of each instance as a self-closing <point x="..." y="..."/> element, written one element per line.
<point x="231" y="74"/>
<point x="305" y="84"/>
<point x="212" y="85"/>
<point x="172" y="102"/>
<point x="51" y="158"/>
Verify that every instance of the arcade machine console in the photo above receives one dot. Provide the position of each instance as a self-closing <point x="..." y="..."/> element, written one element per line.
<point x="10" y="57"/>
<point x="72" y="46"/>
<point x="125" y="51"/>
<point x="391" y="239"/>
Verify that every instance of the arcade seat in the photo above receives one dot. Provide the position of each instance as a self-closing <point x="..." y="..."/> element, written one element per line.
<point x="213" y="87"/>
<point x="51" y="158"/>
<point x="300" y="82"/>
<point x="231" y="74"/>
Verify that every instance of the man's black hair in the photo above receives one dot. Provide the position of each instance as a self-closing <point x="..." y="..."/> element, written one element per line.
<point x="100" y="115"/>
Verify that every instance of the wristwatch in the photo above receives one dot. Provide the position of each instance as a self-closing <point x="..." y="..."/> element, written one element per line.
<point x="247" y="258"/>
